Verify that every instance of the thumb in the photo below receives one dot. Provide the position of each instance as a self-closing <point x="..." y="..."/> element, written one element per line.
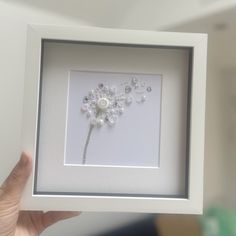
<point x="13" y="186"/>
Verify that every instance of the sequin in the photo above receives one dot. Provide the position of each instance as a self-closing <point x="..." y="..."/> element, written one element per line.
<point x="101" y="86"/>
<point x="134" y="81"/>
<point x="86" y="99"/>
<point x="128" y="89"/>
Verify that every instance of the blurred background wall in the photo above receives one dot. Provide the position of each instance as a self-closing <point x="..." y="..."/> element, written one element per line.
<point x="215" y="17"/>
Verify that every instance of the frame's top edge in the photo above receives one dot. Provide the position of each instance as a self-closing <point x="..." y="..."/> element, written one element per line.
<point x="98" y="34"/>
<point x="111" y="30"/>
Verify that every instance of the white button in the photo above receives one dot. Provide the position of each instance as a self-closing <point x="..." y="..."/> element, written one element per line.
<point x="103" y="103"/>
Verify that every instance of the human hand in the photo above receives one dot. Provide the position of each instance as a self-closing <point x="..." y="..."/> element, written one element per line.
<point x="14" y="222"/>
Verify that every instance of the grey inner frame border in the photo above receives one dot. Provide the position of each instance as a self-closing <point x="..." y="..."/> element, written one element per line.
<point x="190" y="65"/>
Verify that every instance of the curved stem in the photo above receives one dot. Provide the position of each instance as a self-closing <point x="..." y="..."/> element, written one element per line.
<point x="87" y="143"/>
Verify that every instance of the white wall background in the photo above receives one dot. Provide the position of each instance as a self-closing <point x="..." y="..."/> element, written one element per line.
<point x="13" y="22"/>
<point x="228" y="121"/>
<point x="220" y="148"/>
<point x="138" y="14"/>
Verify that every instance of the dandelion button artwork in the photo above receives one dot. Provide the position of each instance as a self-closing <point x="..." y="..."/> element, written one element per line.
<point x="104" y="104"/>
<point x="113" y="119"/>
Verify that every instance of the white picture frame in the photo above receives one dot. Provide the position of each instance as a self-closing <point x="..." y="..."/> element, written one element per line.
<point x="191" y="202"/>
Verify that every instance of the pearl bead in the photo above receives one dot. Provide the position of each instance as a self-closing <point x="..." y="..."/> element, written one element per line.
<point x="143" y="98"/>
<point x="100" y="122"/>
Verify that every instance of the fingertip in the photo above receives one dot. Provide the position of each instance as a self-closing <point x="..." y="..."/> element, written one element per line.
<point x="25" y="158"/>
<point x="64" y="214"/>
<point x="74" y="213"/>
<point x="25" y="162"/>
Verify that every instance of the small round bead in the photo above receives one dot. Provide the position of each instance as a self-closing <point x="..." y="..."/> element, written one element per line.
<point x="86" y="99"/>
<point x="128" y="89"/>
<point x="134" y="81"/>
<point x="143" y="98"/>
<point x="89" y="113"/>
<point x="121" y="110"/>
<point x="91" y="92"/>
<point x="111" y="123"/>
<point x="112" y="120"/>
<point x="129" y="100"/>
<point x="84" y="108"/>
<point x="143" y="84"/>
<point x="101" y="86"/>
<point x="113" y="90"/>
<point x="106" y="88"/>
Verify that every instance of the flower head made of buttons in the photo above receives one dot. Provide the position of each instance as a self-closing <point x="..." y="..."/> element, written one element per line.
<point x="104" y="104"/>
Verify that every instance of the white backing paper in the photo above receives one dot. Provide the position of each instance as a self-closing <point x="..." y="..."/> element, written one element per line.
<point x="132" y="141"/>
